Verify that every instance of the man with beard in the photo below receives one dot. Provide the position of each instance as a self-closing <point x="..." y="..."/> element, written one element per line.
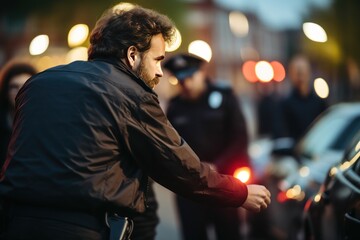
<point x="89" y="135"/>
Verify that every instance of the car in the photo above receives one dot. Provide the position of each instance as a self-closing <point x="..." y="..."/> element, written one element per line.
<point x="292" y="179"/>
<point x="322" y="146"/>
<point x="334" y="212"/>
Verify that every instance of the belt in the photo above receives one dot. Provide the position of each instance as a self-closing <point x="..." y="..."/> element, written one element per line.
<point x="90" y="220"/>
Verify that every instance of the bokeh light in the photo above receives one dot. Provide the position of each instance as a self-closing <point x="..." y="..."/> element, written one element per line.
<point x="201" y="49"/>
<point x="243" y="174"/>
<point x="314" y="32"/>
<point x="173" y="80"/>
<point x="176" y="43"/>
<point x="264" y="71"/>
<point x="239" y="24"/>
<point x="317" y="198"/>
<point x="248" y="70"/>
<point x="123" y="6"/>
<point x="304" y="171"/>
<point x="321" y="87"/>
<point x="78" y="53"/>
<point x="279" y="71"/>
<point x="78" y="35"/>
<point x="39" y="44"/>
<point x="295" y="193"/>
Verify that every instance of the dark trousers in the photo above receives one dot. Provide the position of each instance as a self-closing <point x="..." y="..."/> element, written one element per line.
<point x="39" y="223"/>
<point x="195" y="219"/>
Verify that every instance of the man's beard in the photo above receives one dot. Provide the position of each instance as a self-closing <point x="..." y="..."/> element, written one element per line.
<point x="143" y="74"/>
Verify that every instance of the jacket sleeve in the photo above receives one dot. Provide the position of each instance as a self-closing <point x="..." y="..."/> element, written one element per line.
<point x="168" y="159"/>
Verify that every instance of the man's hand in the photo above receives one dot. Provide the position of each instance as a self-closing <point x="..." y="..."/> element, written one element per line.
<point x="258" y="198"/>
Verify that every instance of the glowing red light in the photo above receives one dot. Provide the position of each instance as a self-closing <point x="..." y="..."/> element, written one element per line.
<point x="243" y="174"/>
<point x="279" y="71"/>
<point x="281" y="197"/>
<point x="248" y="70"/>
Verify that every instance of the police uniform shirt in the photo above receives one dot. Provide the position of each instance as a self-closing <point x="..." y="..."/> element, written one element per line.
<point x="213" y="126"/>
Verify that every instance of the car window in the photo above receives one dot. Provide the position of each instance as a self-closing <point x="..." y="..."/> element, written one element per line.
<point x="347" y="135"/>
<point x="323" y="134"/>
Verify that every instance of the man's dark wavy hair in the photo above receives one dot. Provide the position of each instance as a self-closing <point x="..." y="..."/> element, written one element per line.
<point x="117" y="30"/>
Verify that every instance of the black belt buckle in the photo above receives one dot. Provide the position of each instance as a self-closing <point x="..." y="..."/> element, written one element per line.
<point x="120" y="227"/>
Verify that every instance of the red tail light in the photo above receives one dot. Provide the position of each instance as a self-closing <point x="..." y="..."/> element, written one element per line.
<point x="243" y="174"/>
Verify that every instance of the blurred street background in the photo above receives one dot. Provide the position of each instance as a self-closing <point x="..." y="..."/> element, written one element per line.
<point x="248" y="44"/>
<point x="233" y="35"/>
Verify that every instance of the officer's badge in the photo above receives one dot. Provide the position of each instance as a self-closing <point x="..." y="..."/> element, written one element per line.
<point x="215" y="99"/>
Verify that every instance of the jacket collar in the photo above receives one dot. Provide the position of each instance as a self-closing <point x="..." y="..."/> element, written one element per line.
<point x="125" y="69"/>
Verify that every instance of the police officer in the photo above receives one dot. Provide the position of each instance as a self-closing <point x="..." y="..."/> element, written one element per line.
<point x="208" y="117"/>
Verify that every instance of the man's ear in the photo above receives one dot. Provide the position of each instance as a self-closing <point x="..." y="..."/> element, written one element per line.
<point x="132" y="55"/>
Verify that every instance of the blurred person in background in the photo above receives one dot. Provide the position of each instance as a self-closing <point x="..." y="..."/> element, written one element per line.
<point x="267" y="100"/>
<point x="210" y="120"/>
<point x="299" y="109"/>
<point x="348" y="87"/>
<point x="88" y="136"/>
<point x="13" y="75"/>
<point x="293" y="115"/>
